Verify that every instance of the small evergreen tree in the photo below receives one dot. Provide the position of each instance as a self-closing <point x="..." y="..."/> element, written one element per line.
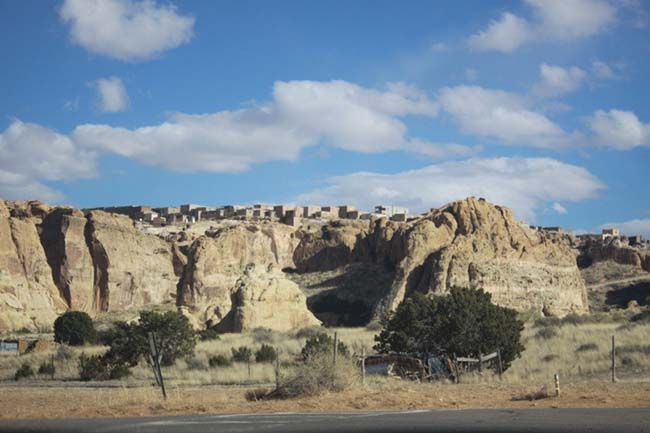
<point x="465" y="323"/>
<point x="242" y="354"/>
<point x="266" y="353"/>
<point x="74" y="328"/>
<point x="321" y="343"/>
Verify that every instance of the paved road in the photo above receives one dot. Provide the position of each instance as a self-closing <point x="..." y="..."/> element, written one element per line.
<point x="485" y="420"/>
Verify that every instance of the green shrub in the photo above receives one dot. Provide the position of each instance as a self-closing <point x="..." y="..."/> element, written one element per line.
<point x="92" y="368"/>
<point x="266" y="353"/>
<point x="322" y="343"/>
<point x="309" y="331"/>
<point x="545" y="322"/>
<point x="24" y="330"/>
<point x="129" y="342"/>
<point x="208" y="334"/>
<point x="546" y="333"/>
<point x="242" y="354"/>
<point x="587" y="347"/>
<point x="74" y="328"/>
<point x="464" y="322"/>
<point x="219" y="361"/>
<point x="316" y="375"/>
<point x="549" y="358"/>
<point x="97" y="367"/>
<point x="47" y="368"/>
<point x="24" y="372"/>
<point x="197" y="362"/>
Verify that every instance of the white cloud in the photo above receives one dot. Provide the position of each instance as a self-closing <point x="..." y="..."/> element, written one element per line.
<point x="557" y="207"/>
<point x="558" y="81"/>
<point x="505" y="34"/>
<point x="619" y="129"/>
<point x="503" y="116"/>
<point x="602" y="70"/>
<point x="553" y="20"/>
<point x="32" y="154"/>
<point x="126" y="29"/>
<point x="439" y="47"/>
<point x="632" y="227"/>
<point x="523" y="184"/>
<point x="112" y="95"/>
<point x="301" y="114"/>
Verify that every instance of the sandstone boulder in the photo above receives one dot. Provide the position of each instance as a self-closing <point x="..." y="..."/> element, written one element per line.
<point x="266" y="298"/>
<point x="216" y="262"/>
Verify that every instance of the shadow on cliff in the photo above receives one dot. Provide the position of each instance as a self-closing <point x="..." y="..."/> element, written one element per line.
<point x="639" y="292"/>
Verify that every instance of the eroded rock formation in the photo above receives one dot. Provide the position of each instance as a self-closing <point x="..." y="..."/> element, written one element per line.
<point x="52" y="259"/>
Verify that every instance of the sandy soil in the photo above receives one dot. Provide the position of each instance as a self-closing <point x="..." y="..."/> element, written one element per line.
<point x="36" y="402"/>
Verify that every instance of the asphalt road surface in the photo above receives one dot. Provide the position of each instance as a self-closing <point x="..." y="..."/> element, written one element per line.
<point x="483" y="420"/>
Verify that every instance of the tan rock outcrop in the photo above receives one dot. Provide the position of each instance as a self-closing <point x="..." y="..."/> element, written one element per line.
<point x="619" y="253"/>
<point x="266" y="298"/>
<point x="63" y="235"/>
<point x="216" y="262"/>
<point x="472" y="243"/>
<point x="131" y="269"/>
<point x="28" y="296"/>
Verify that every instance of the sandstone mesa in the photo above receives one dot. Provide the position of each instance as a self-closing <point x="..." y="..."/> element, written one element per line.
<point x="239" y="275"/>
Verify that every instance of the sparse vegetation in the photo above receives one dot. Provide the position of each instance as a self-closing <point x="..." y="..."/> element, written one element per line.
<point x="242" y="354"/>
<point x="587" y="347"/>
<point x="47" y="368"/>
<point x="322" y="344"/>
<point x="266" y="353"/>
<point x="25" y="371"/>
<point x="208" y="334"/>
<point x="219" y="361"/>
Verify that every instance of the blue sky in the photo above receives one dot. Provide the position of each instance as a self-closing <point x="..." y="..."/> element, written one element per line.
<point x="540" y="105"/>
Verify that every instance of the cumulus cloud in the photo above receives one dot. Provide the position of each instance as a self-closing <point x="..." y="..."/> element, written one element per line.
<point x="558" y="81"/>
<point x="619" y="129"/>
<point x="126" y="29"/>
<point x="552" y="20"/>
<point x="112" y="95"/>
<point x="523" y="184"/>
<point x="557" y="207"/>
<point x="506" y="34"/>
<point x="503" y="116"/>
<point x="301" y="114"/>
<point x="632" y="227"/>
<point x="32" y="154"/>
<point x="439" y="47"/>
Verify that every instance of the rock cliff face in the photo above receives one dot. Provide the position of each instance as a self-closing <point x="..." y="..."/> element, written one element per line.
<point x="265" y="298"/>
<point x="28" y="296"/>
<point x="53" y="259"/>
<point x="469" y="243"/>
<point x="617" y="252"/>
<point x="217" y="261"/>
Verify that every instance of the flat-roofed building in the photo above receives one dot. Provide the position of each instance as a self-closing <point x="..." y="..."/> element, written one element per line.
<point x="390" y="210"/>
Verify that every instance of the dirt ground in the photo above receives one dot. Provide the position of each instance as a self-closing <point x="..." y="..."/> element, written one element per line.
<point x="77" y="402"/>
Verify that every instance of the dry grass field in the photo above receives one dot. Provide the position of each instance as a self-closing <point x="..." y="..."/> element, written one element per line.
<point x="579" y="352"/>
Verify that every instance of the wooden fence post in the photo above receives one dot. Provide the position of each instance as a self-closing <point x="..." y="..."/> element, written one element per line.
<point x="480" y="363"/>
<point x="613" y="359"/>
<point x="155" y="356"/>
<point x="277" y="372"/>
<point x="500" y="363"/>
<point x="363" y="366"/>
<point x="557" y="384"/>
<point x="336" y="352"/>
